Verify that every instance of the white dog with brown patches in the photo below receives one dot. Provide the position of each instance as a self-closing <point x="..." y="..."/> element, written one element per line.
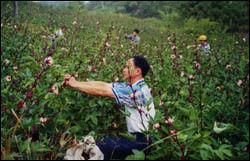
<point x="87" y="147"/>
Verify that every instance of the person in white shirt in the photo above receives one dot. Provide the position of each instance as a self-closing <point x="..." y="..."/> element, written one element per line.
<point x="135" y="95"/>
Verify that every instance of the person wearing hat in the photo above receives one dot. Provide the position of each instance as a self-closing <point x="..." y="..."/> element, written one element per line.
<point x="203" y="44"/>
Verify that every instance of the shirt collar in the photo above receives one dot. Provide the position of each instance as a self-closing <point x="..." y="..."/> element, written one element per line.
<point x="138" y="82"/>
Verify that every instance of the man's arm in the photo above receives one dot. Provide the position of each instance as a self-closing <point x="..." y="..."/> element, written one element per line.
<point x="97" y="88"/>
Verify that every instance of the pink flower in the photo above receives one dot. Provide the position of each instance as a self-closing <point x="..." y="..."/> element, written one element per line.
<point x="173" y="132"/>
<point x="197" y="65"/>
<point x="48" y="60"/>
<point x="173" y="47"/>
<point x="157" y="126"/>
<point x="21" y="104"/>
<point x="169" y="121"/>
<point x="240" y="82"/>
<point x="8" y="78"/>
<point x="29" y="95"/>
<point x="54" y="89"/>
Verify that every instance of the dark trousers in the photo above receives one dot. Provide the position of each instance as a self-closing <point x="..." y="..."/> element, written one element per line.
<point x="118" y="148"/>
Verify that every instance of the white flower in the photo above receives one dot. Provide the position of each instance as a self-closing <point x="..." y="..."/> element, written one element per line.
<point x="173" y="56"/>
<point x="180" y="56"/>
<point x="244" y="39"/>
<point x="107" y="44"/>
<point x="97" y="23"/>
<point x="182" y="73"/>
<point x="48" y="60"/>
<point x="228" y="67"/>
<point x="15" y="69"/>
<point x="121" y="46"/>
<point x="43" y="120"/>
<point x="74" y="23"/>
<point x="191" y="77"/>
<point x="6" y="62"/>
<point x="59" y="33"/>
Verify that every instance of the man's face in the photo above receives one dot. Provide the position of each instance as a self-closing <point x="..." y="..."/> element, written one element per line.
<point x="130" y="71"/>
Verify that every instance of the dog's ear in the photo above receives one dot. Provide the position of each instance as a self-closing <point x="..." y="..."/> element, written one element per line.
<point x="89" y="140"/>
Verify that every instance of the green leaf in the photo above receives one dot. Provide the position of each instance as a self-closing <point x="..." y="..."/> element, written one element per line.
<point x="138" y="155"/>
<point x="221" y="127"/>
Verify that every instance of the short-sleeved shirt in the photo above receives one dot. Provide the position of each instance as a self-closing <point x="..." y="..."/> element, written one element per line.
<point x="135" y="39"/>
<point x="205" y="47"/>
<point x="138" y="103"/>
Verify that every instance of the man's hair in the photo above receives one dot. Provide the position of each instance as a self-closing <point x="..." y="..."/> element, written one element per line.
<point x="137" y="31"/>
<point x="141" y="63"/>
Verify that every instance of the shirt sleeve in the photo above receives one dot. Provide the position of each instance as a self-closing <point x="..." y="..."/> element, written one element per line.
<point x="123" y="94"/>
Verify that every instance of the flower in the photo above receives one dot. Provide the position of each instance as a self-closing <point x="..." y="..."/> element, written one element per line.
<point x="74" y="23"/>
<point x="244" y="39"/>
<point x="173" y="47"/>
<point x="29" y="95"/>
<point x="240" y="82"/>
<point x="21" y="104"/>
<point x="54" y="89"/>
<point x="59" y="33"/>
<point x="228" y="67"/>
<point x="6" y="62"/>
<point x="107" y="44"/>
<point x="8" y="78"/>
<point x="173" y="56"/>
<point x="104" y="60"/>
<point x="43" y="120"/>
<point x="169" y="38"/>
<point x="173" y="132"/>
<point x="180" y="56"/>
<point x="169" y="121"/>
<point x="97" y="23"/>
<point x="197" y="65"/>
<point x="157" y="126"/>
<point x="182" y="73"/>
<point x="161" y="103"/>
<point x="15" y="69"/>
<point x="48" y="60"/>
<point x="121" y="46"/>
<point x="191" y="77"/>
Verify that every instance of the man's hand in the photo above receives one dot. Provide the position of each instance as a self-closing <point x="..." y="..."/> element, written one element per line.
<point x="69" y="80"/>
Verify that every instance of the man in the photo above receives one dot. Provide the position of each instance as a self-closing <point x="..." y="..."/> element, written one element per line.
<point x="135" y="96"/>
<point x="134" y="37"/>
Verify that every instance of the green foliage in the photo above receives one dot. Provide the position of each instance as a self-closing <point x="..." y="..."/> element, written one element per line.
<point x="209" y="112"/>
